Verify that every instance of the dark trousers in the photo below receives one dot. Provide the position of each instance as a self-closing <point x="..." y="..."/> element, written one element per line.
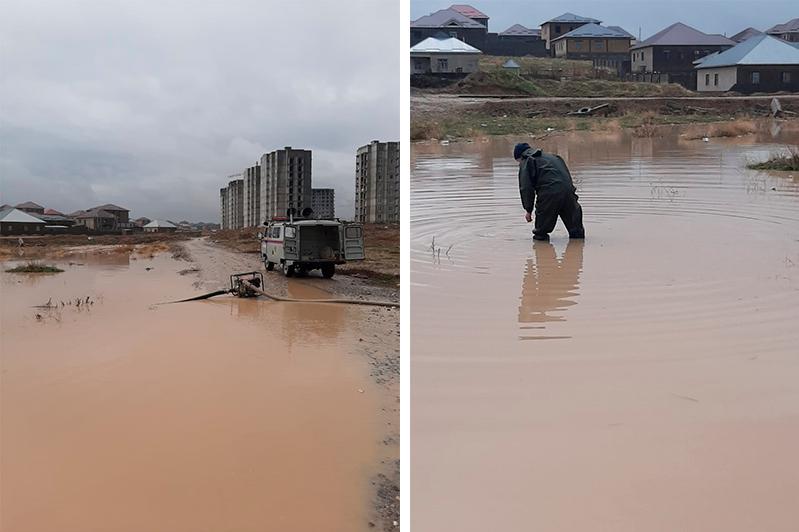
<point x="551" y="204"/>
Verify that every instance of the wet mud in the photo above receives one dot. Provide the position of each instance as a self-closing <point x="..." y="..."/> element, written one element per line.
<point x="226" y="414"/>
<point x="645" y="379"/>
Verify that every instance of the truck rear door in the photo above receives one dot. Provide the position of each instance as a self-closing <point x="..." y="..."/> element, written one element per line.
<point x="352" y="241"/>
<point x="291" y="242"/>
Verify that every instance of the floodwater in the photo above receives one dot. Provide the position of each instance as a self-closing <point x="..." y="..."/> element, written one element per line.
<point x="645" y="379"/>
<point x="227" y="414"/>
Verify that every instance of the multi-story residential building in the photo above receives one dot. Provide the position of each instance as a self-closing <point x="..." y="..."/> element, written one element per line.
<point x="377" y="196"/>
<point x="224" y="217"/>
<point x="251" y="196"/>
<point x="323" y="202"/>
<point x="285" y="182"/>
<point x="234" y="212"/>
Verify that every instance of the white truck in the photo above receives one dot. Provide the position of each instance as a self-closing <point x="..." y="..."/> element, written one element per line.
<point x="298" y="246"/>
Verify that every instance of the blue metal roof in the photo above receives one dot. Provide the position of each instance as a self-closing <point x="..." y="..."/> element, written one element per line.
<point x="445" y="18"/>
<point x="519" y="30"/>
<point x="595" y="30"/>
<point x="571" y="17"/>
<point x="759" y="50"/>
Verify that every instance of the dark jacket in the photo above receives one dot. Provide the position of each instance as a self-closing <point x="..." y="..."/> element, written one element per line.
<point x="542" y="173"/>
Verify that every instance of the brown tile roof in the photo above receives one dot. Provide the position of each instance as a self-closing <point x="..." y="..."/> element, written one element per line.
<point x="96" y="213"/>
<point x="468" y="11"/>
<point x="111" y="207"/>
<point x="792" y="26"/>
<point x="29" y="205"/>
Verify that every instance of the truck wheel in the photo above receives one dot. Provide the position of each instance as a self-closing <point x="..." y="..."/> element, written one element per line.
<point x="328" y="270"/>
<point x="269" y="266"/>
<point x="288" y="271"/>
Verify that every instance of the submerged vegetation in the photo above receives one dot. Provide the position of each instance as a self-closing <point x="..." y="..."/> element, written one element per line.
<point x="779" y="161"/>
<point x="35" y="267"/>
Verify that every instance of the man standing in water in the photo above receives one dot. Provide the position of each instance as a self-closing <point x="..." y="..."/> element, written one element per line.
<point x="547" y="176"/>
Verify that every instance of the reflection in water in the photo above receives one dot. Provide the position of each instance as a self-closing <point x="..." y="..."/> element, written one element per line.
<point x="298" y="323"/>
<point x="550" y="284"/>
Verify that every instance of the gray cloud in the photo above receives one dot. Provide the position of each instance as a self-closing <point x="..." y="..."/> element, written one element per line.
<point x="151" y="104"/>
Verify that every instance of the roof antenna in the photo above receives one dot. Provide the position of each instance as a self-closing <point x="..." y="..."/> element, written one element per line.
<point x="639" y="33"/>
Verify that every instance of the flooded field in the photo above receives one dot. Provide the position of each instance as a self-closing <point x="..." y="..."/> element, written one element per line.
<point x="227" y="414"/>
<point x="645" y="379"/>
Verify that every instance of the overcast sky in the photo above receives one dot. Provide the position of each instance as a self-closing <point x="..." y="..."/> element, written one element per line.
<point x="151" y="104"/>
<point x="710" y="16"/>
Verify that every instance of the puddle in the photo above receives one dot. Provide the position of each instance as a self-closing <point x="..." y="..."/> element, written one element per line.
<point x="227" y="414"/>
<point x="645" y="379"/>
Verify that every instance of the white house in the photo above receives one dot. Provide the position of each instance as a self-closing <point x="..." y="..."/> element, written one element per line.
<point x="759" y="64"/>
<point x="160" y="226"/>
<point x="445" y="55"/>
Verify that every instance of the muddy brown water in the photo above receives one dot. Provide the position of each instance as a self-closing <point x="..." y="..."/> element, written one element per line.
<point x="227" y="414"/>
<point x="646" y="379"/>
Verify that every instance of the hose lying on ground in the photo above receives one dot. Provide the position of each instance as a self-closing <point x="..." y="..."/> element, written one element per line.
<point x="339" y="301"/>
<point x="289" y="299"/>
<point x="204" y="296"/>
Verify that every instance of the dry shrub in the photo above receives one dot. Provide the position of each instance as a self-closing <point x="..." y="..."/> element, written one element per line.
<point x="425" y="130"/>
<point x="735" y="128"/>
<point x="648" y="128"/>
<point x="780" y="161"/>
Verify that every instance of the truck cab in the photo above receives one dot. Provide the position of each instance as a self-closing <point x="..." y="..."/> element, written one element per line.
<point x="299" y="246"/>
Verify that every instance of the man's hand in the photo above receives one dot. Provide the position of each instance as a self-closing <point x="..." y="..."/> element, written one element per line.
<point x="528" y="217"/>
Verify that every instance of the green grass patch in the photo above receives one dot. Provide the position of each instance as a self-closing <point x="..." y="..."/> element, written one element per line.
<point x="35" y="267"/>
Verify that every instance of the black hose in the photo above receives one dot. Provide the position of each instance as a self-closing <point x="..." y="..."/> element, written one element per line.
<point x="197" y="298"/>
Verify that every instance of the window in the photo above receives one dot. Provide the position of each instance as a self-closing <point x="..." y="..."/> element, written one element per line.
<point x="353" y="232"/>
<point x="707" y="79"/>
<point x="443" y="65"/>
<point x="557" y="29"/>
<point x="715" y="79"/>
<point x="755" y="78"/>
<point x="666" y="55"/>
<point x="599" y="45"/>
<point x="578" y="45"/>
<point x="453" y="34"/>
<point x="291" y="232"/>
<point x="786" y="77"/>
